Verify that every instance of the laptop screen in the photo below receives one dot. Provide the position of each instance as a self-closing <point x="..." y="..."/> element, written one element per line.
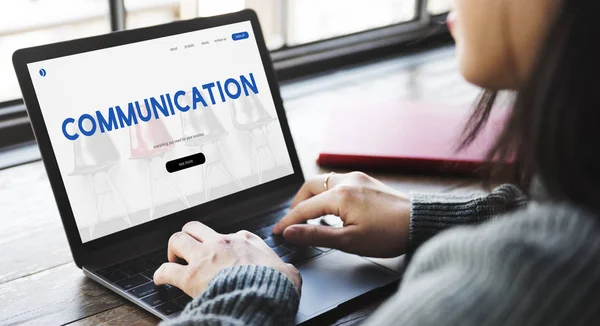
<point x="144" y="130"/>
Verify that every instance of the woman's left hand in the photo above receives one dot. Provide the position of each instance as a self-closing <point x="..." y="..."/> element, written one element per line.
<point x="207" y="252"/>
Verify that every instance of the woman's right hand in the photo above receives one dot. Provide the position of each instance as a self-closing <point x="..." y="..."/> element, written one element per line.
<point x="376" y="217"/>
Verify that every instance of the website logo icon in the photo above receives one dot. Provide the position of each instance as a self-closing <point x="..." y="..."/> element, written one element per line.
<point x="43" y="72"/>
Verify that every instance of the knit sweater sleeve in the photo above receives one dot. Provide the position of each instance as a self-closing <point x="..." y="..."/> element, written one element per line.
<point x="432" y="213"/>
<point x="243" y="295"/>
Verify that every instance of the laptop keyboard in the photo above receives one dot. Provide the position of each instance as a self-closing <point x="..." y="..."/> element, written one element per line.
<point x="135" y="276"/>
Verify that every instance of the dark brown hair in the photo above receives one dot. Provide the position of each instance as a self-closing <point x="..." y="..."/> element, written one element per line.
<point x="552" y="131"/>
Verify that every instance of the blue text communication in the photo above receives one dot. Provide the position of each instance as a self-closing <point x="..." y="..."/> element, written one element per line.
<point x="165" y="105"/>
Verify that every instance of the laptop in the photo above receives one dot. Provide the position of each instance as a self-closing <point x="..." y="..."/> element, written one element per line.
<point x="144" y="130"/>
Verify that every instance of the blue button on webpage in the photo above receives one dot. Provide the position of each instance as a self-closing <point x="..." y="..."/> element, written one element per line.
<point x="239" y="36"/>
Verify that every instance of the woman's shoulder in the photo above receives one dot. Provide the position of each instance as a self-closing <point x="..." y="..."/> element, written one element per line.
<point x="535" y="266"/>
<point x="545" y="222"/>
<point x="546" y="232"/>
<point x="555" y="219"/>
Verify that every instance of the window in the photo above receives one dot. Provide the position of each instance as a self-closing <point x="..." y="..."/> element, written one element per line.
<point x="305" y="36"/>
<point x="314" y="20"/>
<point x="26" y="23"/>
<point x="436" y="7"/>
<point x="287" y="23"/>
<point x="143" y="13"/>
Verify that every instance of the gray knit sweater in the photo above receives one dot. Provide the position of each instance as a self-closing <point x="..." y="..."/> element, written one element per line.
<point x="505" y="262"/>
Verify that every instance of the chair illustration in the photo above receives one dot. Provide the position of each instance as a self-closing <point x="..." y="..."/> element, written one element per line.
<point x="203" y="128"/>
<point x="143" y="137"/>
<point x="93" y="157"/>
<point x="248" y="114"/>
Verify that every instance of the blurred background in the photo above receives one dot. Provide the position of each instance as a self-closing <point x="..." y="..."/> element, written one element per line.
<point x="304" y="36"/>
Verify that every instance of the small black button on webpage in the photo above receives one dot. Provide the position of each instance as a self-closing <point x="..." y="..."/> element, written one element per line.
<point x="185" y="162"/>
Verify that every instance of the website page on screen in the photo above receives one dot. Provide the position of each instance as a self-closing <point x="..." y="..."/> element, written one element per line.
<point x="147" y="129"/>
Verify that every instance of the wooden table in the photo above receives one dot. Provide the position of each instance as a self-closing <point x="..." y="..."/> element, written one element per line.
<point x="39" y="283"/>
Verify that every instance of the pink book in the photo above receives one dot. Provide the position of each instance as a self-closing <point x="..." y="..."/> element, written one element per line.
<point x="403" y="135"/>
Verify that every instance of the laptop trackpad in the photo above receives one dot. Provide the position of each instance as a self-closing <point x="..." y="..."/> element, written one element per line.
<point x="336" y="278"/>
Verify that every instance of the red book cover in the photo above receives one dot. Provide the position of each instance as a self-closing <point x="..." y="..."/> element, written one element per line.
<point x="414" y="136"/>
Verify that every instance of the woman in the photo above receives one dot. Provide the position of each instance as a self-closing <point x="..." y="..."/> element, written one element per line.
<point x="537" y="263"/>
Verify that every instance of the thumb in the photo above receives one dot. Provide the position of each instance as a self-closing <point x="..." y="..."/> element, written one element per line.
<point x="317" y="235"/>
